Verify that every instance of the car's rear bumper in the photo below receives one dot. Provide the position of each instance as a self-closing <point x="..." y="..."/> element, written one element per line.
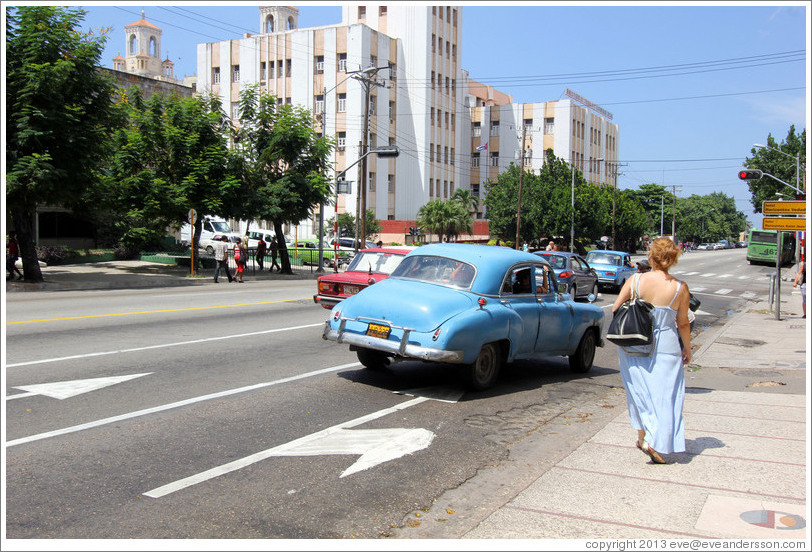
<point x="326" y="301"/>
<point x="400" y="348"/>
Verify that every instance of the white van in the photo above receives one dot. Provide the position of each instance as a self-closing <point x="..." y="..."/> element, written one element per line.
<point x="267" y="235"/>
<point x="211" y="226"/>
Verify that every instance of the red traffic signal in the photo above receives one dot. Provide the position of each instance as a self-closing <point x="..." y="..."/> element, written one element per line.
<point x="750" y="174"/>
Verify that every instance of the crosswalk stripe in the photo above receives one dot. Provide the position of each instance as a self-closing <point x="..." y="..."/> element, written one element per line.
<point x="723" y="291"/>
<point x="698" y="288"/>
<point x="724" y="275"/>
<point x="743" y="277"/>
<point x="708" y="275"/>
<point x="691" y="273"/>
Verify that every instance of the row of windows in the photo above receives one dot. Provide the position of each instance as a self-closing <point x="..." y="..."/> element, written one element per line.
<point x="450" y="84"/>
<point x="390" y="182"/>
<point x="494" y="159"/>
<point x="444" y="158"/>
<point x="271" y="68"/>
<point x="434" y="188"/>
<point x="450" y="14"/>
<point x="549" y="126"/>
<point x="437" y="44"/>
<point x="450" y="118"/>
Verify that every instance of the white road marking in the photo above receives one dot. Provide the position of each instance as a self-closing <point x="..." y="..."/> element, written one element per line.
<point x="748" y="295"/>
<point x="743" y="277"/>
<point x="287" y="449"/>
<point x="65" y="389"/>
<point x="723" y="291"/>
<point x="725" y="275"/>
<point x="691" y="273"/>
<point x="698" y="289"/>
<point x="709" y="275"/>
<point x="193" y="400"/>
<point x="148" y="347"/>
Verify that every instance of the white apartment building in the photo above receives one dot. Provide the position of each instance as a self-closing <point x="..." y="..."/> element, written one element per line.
<point x="416" y="101"/>
<point x="420" y="101"/>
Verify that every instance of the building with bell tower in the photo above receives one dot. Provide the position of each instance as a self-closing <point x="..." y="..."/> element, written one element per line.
<point x="276" y="19"/>
<point x="143" y="52"/>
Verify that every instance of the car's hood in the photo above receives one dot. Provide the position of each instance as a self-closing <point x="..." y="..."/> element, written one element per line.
<point x="417" y="305"/>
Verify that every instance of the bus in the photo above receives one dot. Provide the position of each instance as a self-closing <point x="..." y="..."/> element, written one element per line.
<point x="761" y="247"/>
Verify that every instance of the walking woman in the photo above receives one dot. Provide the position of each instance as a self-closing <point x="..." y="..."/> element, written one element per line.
<point x="653" y="374"/>
<point x="240" y="258"/>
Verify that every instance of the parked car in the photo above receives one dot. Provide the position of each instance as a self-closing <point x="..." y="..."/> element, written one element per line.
<point x="207" y="244"/>
<point x="725" y="244"/>
<point x="367" y="267"/>
<point x="573" y="270"/>
<point x="306" y="251"/>
<point x="613" y="267"/>
<point x="474" y="306"/>
<point x="267" y="236"/>
<point x="718" y="246"/>
<point x="704" y="247"/>
<point x="348" y="244"/>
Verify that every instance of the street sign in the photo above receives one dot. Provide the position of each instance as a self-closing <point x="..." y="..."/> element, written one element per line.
<point x="783" y="223"/>
<point x="192" y="216"/>
<point x="793" y="207"/>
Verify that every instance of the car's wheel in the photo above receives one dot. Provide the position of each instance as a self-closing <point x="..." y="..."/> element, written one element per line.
<point x="593" y="293"/>
<point x="483" y="373"/>
<point x="209" y="250"/>
<point x="374" y="360"/>
<point x="327" y="263"/>
<point x="573" y="291"/>
<point x="581" y="360"/>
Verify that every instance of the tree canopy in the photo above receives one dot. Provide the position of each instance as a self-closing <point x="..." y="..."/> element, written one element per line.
<point x="779" y="164"/>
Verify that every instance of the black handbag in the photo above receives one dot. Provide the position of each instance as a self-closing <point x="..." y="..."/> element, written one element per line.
<point x="694" y="302"/>
<point x="633" y="323"/>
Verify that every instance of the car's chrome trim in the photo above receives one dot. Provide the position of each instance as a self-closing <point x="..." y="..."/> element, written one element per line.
<point x="327" y="300"/>
<point x="401" y="348"/>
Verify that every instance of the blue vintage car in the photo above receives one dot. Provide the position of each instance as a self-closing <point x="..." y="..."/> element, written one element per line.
<point x="613" y="267"/>
<point x="476" y="306"/>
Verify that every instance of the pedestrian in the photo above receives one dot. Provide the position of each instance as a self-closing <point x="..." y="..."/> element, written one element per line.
<point x="550" y="246"/>
<point x="12" y="254"/>
<point x="379" y="243"/>
<point x="274" y="253"/>
<point x="653" y="374"/>
<point x="643" y="266"/>
<point x="221" y="258"/>
<point x="240" y="257"/>
<point x="800" y="280"/>
<point x="262" y="247"/>
<point x="524" y="247"/>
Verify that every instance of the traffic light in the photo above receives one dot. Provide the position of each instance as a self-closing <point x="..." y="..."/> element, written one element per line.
<point x="750" y="174"/>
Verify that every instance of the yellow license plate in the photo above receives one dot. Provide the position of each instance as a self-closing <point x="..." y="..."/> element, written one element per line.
<point x="378" y="330"/>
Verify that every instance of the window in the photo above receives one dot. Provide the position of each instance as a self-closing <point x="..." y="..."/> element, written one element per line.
<point x="372" y="182"/>
<point x="271" y="69"/>
<point x="475" y="159"/>
<point x="235" y="73"/>
<point x="528" y="125"/>
<point x="132" y="45"/>
<point x="372" y="102"/>
<point x="391" y="110"/>
<point x="319" y="104"/>
<point x="235" y="111"/>
<point x="494" y="159"/>
<point x="287" y="100"/>
<point x="279" y="68"/>
<point x="445" y="188"/>
<point x="432" y="80"/>
<point x="431" y="187"/>
<point x="288" y="68"/>
<point x="452" y="156"/>
<point x="439" y="152"/>
<point x="549" y="123"/>
<point x="431" y="152"/>
<point x="215" y="78"/>
<point x="341" y="103"/>
<point x="382" y="10"/>
<point x="263" y="70"/>
<point x="362" y="12"/>
<point x="373" y="141"/>
<point x="453" y="122"/>
<point x="528" y="158"/>
<point x="391" y="179"/>
<point x="447" y="48"/>
<point x="341" y="141"/>
<point x="454" y="51"/>
<point x="477" y="130"/>
<point x="494" y="128"/>
<point x="475" y="190"/>
<point x="319" y="61"/>
<point x="433" y="43"/>
<point x="373" y="61"/>
<point x="342" y="62"/>
<point x="445" y="155"/>
<point x="446" y="119"/>
<point x="393" y="71"/>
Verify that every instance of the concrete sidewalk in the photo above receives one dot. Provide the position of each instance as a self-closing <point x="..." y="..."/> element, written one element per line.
<point x="743" y="475"/>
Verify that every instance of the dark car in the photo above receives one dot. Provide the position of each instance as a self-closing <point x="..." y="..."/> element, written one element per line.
<point x="573" y="270"/>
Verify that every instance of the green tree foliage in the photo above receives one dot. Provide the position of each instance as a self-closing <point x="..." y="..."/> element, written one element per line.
<point x="346" y="225"/>
<point x="283" y="162"/>
<point x="59" y="114"/>
<point x="170" y="158"/>
<point x="657" y="201"/>
<point x="708" y="218"/>
<point x="779" y="165"/>
<point x="446" y="218"/>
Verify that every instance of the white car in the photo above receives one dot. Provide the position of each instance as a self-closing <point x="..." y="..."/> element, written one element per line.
<point x="704" y="246"/>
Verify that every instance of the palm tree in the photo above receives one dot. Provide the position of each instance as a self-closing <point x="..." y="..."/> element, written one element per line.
<point x="466" y="199"/>
<point x="445" y="218"/>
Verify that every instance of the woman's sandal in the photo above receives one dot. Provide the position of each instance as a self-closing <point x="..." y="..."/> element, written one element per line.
<point x="651" y="453"/>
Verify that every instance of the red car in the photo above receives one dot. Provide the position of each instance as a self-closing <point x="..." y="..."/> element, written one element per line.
<point x="368" y="266"/>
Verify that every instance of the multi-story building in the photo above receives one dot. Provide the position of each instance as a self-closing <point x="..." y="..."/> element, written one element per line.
<point x="575" y="129"/>
<point x="403" y="62"/>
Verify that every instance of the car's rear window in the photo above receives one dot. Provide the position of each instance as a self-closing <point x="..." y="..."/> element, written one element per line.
<point x="436" y="270"/>
<point x="603" y="258"/>
<point x="383" y="263"/>
<point x="558" y="261"/>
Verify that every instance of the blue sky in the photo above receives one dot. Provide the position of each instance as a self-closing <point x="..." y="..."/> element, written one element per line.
<point x="692" y="86"/>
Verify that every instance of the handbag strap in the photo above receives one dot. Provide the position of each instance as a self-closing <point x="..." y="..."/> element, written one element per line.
<point x="635" y="287"/>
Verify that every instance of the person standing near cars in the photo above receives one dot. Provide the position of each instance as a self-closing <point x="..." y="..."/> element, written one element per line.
<point x="12" y="255"/>
<point x="274" y="253"/>
<point x="800" y="280"/>
<point x="221" y="257"/>
<point x="240" y="257"/>
<point x="653" y="374"/>
<point x="262" y="247"/>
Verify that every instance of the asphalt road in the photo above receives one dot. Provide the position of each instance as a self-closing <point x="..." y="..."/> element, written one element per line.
<point x="225" y="415"/>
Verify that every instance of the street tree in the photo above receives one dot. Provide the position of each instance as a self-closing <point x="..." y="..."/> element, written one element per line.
<point x="170" y="158"/>
<point x="446" y="218"/>
<point x="779" y="165"/>
<point x="283" y="162"/>
<point x="346" y="225"/>
<point x="59" y="113"/>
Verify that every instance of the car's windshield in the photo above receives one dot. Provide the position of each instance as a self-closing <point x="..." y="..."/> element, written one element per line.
<point x="220" y="226"/>
<point x="436" y="270"/>
<point x="603" y="258"/>
<point x="381" y="262"/>
<point x="558" y="261"/>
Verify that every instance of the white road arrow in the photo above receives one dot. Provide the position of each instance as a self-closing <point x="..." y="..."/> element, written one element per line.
<point x="374" y="445"/>
<point x="65" y="389"/>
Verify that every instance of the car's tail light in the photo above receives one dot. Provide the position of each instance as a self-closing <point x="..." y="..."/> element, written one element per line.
<point x="371" y="281"/>
<point x="336" y="314"/>
<point x="610" y="273"/>
<point x="565" y="274"/>
<point x="436" y="334"/>
<point x="482" y="302"/>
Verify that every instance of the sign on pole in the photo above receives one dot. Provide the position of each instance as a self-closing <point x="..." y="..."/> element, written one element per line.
<point x="192" y="221"/>
<point x="783" y="223"/>
<point x="792" y="207"/>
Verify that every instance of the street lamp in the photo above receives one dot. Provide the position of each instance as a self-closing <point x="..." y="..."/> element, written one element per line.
<point x="797" y="165"/>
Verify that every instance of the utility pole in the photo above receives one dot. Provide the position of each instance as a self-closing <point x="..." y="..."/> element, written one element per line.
<point x="366" y="77"/>
<point x="521" y="182"/>
<point x="674" y="215"/>
<point x="321" y="205"/>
